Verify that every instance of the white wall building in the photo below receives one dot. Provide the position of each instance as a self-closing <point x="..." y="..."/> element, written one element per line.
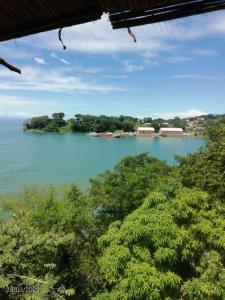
<point x="171" y="132"/>
<point x="146" y="131"/>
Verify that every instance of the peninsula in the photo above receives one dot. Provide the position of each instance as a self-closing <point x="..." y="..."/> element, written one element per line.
<point x="124" y="125"/>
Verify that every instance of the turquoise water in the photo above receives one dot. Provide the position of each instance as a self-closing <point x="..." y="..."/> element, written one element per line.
<point x="42" y="158"/>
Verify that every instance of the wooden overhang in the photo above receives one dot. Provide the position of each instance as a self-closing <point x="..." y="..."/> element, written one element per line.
<point x="24" y="17"/>
<point x="129" y="13"/>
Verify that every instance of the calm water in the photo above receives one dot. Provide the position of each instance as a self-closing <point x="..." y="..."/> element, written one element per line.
<point x="36" y="158"/>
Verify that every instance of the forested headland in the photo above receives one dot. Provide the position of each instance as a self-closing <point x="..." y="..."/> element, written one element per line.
<point x="144" y="231"/>
<point x="102" y="123"/>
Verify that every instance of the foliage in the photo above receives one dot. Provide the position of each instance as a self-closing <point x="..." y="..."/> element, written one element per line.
<point x="37" y="123"/>
<point x="49" y="245"/>
<point x="160" y="229"/>
<point x="206" y="168"/>
<point x="180" y="123"/>
<point x="102" y="123"/>
<point x="117" y="193"/>
<point x="87" y="123"/>
<point x="169" y="248"/>
<point x="45" y="123"/>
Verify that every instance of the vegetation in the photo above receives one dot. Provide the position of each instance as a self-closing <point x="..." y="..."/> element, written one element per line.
<point x="89" y="123"/>
<point x="144" y="231"/>
<point x="82" y="123"/>
<point x="172" y="247"/>
<point x="206" y="169"/>
<point x="116" y="194"/>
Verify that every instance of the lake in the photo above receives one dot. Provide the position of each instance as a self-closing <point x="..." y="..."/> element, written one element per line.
<point x="54" y="158"/>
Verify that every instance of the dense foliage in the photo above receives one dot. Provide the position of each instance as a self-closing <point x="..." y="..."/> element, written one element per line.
<point x="172" y="247"/>
<point x="142" y="231"/>
<point x="206" y="168"/>
<point x="82" y="123"/>
<point x="116" y="193"/>
<point x="45" y="123"/>
<point x="90" y="123"/>
<point x="87" y="123"/>
<point x="49" y="244"/>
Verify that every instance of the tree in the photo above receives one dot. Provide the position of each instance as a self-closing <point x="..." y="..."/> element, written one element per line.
<point x="180" y="123"/>
<point x="37" y="122"/>
<point x="206" y="168"/>
<point x="128" y="125"/>
<point x="115" y="194"/>
<point x="172" y="247"/>
<point x="58" y="119"/>
<point x="49" y="244"/>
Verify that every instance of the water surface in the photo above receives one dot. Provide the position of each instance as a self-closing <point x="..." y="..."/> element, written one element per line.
<point x="42" y="158"/>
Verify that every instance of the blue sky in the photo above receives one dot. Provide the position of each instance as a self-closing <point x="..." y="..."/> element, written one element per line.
<point x="175" y="68"/>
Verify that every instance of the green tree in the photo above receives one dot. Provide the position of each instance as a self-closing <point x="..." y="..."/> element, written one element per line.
<point x="128" y="125"/>
<point x="49" y="243"/>
<point x="172" y="247"/>
<point x="37" y="123"/>
<point x="206" y="168"/>
<point x="116" y="193"/>
<point x="180" y="123"/>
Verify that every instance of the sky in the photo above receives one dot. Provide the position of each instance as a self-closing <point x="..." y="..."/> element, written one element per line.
<point x="176" y="68"/>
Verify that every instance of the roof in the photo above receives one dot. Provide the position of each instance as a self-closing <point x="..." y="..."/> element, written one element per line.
<point x="24" y="17"/>
<point x="172" y="129"/>
<point x="129" y="13"/>
<point x="146" y="128"/>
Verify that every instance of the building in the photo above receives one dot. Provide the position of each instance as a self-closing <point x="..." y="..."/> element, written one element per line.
<point x="171" y="132"/>
<point x="146" y="131"/>
<point x="200" y="128"/>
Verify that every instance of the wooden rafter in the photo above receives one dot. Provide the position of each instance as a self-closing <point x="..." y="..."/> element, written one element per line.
<point x="158" y="13"/>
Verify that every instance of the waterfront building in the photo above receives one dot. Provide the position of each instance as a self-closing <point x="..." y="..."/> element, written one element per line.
<point x="146" y="131"/>
<point x="171" y="131"/>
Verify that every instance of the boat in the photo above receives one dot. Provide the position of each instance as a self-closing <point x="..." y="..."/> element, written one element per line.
<point x="93" y="134"/>
<point x="100" y="134"/>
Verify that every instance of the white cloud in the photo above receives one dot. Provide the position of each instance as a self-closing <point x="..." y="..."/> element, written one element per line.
<point x="52" y="54"/>
<point x="198" y="77"/>
<point x="129" y="67"/>
<point x="99" y="37"/>
<point x="64" y="61"/>
<point x="54" y="80"/>
<point x="40" y="60"/>
<point x="186" y="114"/>
<point x="206" y="52"/>
<point x="15" y="106"/>
<point x="18" y="114"/>
<point x="16" y="52"/>
<point x="14" y="101"/>
<point x="179" y="59"/>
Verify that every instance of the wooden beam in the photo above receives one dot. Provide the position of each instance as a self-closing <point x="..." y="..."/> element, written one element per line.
<point x="162" y="9"/>
<point x="64" y="21"/>
<point x="166" y="16"/>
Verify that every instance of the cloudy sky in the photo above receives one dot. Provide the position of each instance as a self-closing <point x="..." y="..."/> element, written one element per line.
<point x="175" y="68"/>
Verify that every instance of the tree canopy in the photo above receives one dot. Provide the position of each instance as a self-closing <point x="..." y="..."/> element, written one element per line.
<point x="143" y="231"/>
<point x="117" y="193"/>
<point x="172" y="247"/>
<point x="206" y="169"/>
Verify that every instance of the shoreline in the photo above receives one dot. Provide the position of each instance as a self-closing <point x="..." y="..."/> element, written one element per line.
<point x="117" y="134"/>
